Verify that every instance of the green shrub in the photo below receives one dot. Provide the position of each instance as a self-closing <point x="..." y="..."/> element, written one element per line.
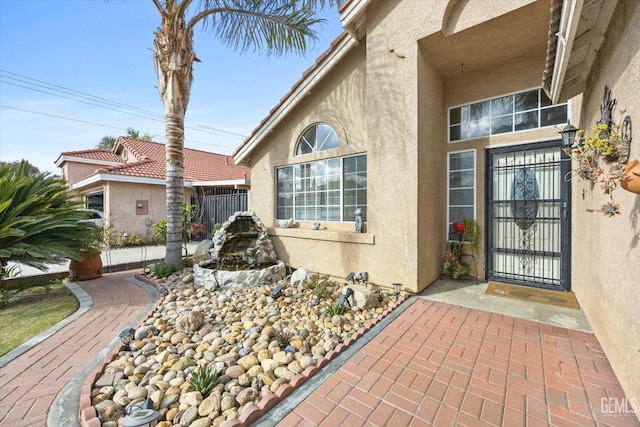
<point x="163" y="270"/>
<point x="335" y="309"/>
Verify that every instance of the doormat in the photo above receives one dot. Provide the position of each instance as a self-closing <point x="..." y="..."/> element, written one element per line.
<point x="525" y="293"/>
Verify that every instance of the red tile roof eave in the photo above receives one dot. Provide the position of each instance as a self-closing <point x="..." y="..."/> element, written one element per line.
<point x="289" y="94"/>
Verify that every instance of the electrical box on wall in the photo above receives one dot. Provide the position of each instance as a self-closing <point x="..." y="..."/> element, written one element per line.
<point x="142" y="207"/>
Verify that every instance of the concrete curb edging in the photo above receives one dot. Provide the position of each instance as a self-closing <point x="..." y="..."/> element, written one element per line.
<point x="74" y="399"/>
<point x="85" y="303"/>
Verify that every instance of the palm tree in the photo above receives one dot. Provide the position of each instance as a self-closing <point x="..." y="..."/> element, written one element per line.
<point x="276" y="26"/>
<point x="40" y="222"/>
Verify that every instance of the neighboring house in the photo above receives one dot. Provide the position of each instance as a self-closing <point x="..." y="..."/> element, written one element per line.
<point x="127" y="183"/>
<point x="425" y="112"/>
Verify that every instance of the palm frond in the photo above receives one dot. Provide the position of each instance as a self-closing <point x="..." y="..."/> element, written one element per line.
<point x="273" y="27"/>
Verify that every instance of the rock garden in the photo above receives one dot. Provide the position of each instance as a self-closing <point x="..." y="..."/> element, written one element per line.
<point x="213" y="349"/>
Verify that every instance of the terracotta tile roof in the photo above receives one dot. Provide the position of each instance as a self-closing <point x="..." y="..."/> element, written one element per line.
<point x="139" y="158"/>
<point x="94" y="154"/>
<point x="552" y="44"/>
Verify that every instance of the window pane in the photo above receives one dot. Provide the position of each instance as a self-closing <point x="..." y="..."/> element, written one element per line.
<point x="502" y="106"/>
<point x="527" y="100"/>
<point x="553" y="115"/>
<point x="461" y="196"/>
<point x="479" y="111"/>
<point x="455" y="116"/>
<point x="502" y="124"/>
<point x="318" y="137"/>
<point x="526" y="120"/>
<point x="479" y="128"/>
<point x="454" y="133"/>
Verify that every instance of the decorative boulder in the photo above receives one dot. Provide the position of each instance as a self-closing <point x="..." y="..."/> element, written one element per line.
<point x="299" y="277"/>
<point x="202" y="251"/>
<point x="362" y="296"/>
<point x="189" y="321"/>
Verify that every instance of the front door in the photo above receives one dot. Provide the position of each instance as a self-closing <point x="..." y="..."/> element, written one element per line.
<point x="528" y="218"/>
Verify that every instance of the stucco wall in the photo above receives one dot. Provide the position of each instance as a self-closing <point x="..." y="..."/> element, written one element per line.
<point x="77" y="171"/>
<point x="122" y="210"/>
<point x="606" y="251"/>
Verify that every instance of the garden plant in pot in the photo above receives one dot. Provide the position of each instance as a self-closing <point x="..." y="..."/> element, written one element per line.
<point x="90" y="265"/>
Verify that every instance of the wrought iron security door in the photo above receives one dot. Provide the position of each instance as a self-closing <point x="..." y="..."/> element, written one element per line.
<point x="529" y="216"/>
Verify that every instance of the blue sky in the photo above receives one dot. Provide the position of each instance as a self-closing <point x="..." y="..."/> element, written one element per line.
<point x="52" y="50"/>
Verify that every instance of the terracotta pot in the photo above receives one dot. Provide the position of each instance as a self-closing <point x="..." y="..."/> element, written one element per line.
<point x="459" y="227"/>
<point x="630" y="181"/>
<point x="89" y="268"/>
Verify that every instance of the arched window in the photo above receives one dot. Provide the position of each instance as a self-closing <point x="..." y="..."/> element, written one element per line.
<point x="318" y="137"/>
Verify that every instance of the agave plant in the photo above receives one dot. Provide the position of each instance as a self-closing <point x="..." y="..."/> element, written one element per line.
<point x="40" y="222"/>
<point x="283" y="336"/>
<point x="204" y="379"/>
<point x="335" y="309"/>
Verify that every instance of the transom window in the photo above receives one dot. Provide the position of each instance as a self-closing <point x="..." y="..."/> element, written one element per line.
<point x="325" y="190"/>
<point x="318" y="137"/>
<point x="520" y="111"/>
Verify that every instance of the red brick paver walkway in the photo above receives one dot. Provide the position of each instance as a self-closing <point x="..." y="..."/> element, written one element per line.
<point x="445" y="365"/>
<point x="29" y="384"/>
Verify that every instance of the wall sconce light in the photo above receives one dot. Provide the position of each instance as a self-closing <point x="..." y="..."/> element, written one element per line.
<point x="396" y="289"/>
<point x="140" y="204"/>
<point x="126" y="336"/>
<point x="568" y="134"/>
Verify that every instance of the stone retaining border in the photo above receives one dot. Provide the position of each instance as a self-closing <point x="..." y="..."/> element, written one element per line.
<point x="89" y="417"/>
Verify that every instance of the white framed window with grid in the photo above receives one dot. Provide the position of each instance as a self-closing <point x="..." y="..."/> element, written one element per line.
<point x="461" y="187"/>
<point x="323" y="190"/>
<point x="514" y="112"/>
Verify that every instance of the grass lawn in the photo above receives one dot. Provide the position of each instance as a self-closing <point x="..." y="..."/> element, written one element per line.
<point x="33" y="310"/>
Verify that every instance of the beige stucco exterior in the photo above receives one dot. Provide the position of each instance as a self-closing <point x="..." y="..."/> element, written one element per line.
<point x="388" y="98"/>
<point x="606" y="251"/>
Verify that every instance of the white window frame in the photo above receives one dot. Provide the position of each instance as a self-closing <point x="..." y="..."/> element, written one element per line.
<point x="475" y="187"/>
<point x="341" y="190"/>
<point x="538" y="109"/>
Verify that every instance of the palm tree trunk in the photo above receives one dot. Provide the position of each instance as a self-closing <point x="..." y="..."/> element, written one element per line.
<point x="174" y="58"/>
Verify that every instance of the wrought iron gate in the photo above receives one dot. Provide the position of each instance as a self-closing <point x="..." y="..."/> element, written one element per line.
<point x="529" y="216"/>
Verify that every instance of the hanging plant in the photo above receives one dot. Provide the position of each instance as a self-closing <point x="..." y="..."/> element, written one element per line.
<point x="601" y="158"/>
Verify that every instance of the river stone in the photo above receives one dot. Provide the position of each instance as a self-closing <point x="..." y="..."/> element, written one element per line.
<point x="183" y="364"/>
<point x="210" y="405"/>
<point x="227" y="403"/>
<point x="189" y="416"/>
<point x="178" y="337"/>
<point x="248" y="361"/>
<point x="234" y="371"/>
<point x="247" y="395"/>
<point x="201" y="422"/>
<point x="137" y="393"/>
<point x="189" y="321"/>
<point x="193" y="398"/>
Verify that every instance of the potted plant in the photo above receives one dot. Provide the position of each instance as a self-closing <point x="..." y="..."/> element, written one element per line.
<point x="459" y="227"/>
<point x="452" y="262"/>
<point x="90" y="266"/>
<point x="471" y="232"/>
